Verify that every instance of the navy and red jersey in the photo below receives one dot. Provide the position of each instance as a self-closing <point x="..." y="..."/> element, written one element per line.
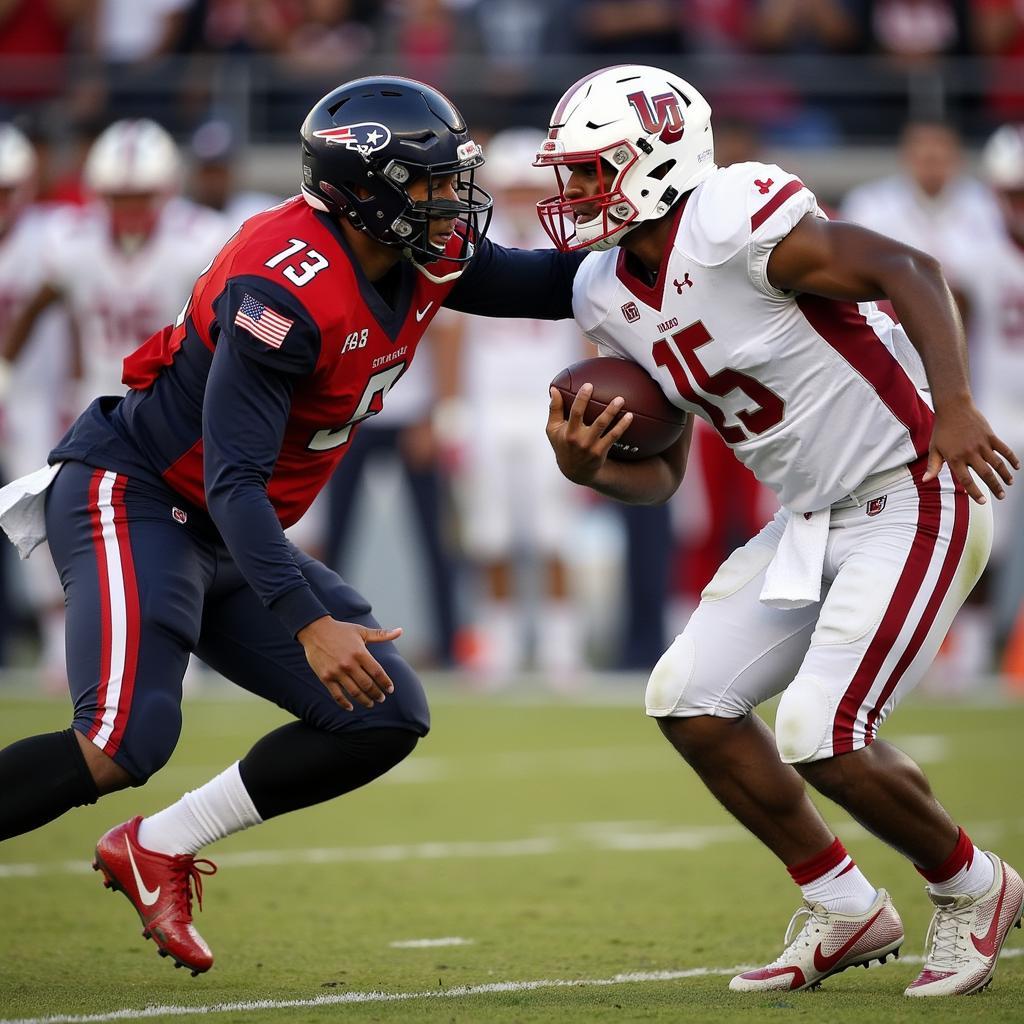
<point x="246" y="405"/>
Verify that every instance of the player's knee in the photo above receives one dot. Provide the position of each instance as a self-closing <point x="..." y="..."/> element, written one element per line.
<point x="803" y="722"/>
<point x="677" y="689"/>
<point x="670" y="678"/>
<point x="150" y="735"/>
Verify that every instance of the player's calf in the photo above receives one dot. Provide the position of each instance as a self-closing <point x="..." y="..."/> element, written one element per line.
<point x="41" y="777"/>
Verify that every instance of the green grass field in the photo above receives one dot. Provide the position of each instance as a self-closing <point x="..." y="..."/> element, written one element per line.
<point x="585" y="872"/>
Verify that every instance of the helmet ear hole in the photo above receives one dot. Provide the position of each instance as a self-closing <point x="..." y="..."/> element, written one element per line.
<point x="659" y="172"/>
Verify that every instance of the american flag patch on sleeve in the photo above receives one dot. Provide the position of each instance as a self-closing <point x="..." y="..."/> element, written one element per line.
<point x="262" y="322"/>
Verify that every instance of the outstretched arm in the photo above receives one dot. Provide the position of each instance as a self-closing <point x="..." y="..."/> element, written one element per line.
<point x="844" y="261"/>
<point x="531" y="283"/>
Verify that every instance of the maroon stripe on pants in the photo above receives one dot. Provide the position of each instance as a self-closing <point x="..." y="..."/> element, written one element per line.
<point x="961" y="521"/>
<point x="929" y="514"/>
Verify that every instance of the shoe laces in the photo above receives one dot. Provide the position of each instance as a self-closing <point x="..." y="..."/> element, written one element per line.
<point x="814" y="918"/>
<point x="187" y="875"/>
<point x="946" y="940"/>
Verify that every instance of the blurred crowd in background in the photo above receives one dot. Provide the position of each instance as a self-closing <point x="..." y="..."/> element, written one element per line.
<point x="448" y="511"/>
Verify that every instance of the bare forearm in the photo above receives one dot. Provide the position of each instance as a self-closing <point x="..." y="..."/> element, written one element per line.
<point x="929" y="314"/>
<point x="648" y="482"/>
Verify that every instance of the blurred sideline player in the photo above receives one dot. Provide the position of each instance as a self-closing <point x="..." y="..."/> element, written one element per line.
<point x="842" y="600"/>
<point x="122" y="263"/>
<point x="403" y="432"/>
<point x="513" y="501"/>
<point x="995" y="289"/>
<point x="933" y="205"/>
<point x="213" y="180"/>
<point x="33" y="387"/>
<point x="165" y="508"/>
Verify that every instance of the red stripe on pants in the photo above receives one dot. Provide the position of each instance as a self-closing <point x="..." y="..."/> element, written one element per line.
<point x="929" y="514"/>
<point x="131" y="605"/>
<point x="103" y="577"/>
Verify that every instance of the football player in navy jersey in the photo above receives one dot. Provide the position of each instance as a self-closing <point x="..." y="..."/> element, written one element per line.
<point x="165" y="509"/>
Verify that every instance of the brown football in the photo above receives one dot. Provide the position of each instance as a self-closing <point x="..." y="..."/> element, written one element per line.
<point x="657" y="423"/>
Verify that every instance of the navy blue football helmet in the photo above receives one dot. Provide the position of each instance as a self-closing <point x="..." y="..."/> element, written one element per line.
<point x="375" y="136"/>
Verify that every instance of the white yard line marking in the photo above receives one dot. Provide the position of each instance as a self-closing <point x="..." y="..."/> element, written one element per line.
<point x="574" y="837"/>
<point x="452" y="940"/>
<point x="458" y="992"/>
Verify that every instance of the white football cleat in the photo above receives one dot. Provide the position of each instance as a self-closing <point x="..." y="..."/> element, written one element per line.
<point x="966" y="934"/>
<point x="827" y="943"/>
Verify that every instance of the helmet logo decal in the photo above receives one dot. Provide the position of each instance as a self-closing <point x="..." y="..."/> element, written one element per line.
<point x="665" y="117"/>
<point x="469" y="150"/>
<point x="366" y="137"/>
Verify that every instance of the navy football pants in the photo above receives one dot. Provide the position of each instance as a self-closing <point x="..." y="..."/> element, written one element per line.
<point x="145" y="584"/>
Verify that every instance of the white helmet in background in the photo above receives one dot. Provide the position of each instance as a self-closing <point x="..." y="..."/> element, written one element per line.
<point x="17" y="170"/>
<point x="649" y="127"/>
<point x="1002" y="158"/>
<point x="510" y="160"/>
<point x="133" y="156"/>
<point x="17" y="157"/>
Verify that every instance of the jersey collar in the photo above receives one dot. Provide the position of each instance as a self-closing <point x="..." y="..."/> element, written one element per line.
<point x="651" y="294"/>
<point x="390" y="320"/>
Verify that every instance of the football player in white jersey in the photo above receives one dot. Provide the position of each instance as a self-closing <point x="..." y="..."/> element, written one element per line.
<point x="512" y="499"/>
<point x="32" y="390"/>
<point x="755" y="312"/>
<point x="996" y="292"/>
<point x="123" y="264"/>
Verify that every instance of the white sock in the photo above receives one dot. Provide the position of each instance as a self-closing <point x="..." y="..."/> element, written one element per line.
<point x="843" y="889"/>
<point x="217" y="809"/>
<point x="973" y="880"/>
<point x="559" y="640"/>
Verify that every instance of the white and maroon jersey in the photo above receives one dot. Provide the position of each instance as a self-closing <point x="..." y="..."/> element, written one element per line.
<point x="42" y="367"/>
<point x="118" y="299"/>
<point x="813" y="395"/>
<point x="995" y="288"/>
<point x="944" y="226"/>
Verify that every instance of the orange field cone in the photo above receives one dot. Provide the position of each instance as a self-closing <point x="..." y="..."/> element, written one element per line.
<point x="1013" y="657"/>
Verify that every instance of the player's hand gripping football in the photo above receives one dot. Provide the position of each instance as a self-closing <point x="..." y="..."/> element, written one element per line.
<point x="581" y="450"/>
<point x="963" y="440"/>
<point x="337" y="653"/>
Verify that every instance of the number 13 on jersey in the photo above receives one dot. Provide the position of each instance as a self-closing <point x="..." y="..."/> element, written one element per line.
<point x="766" y="408"/>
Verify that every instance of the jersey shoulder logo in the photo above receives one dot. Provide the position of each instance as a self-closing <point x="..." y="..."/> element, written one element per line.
<point x="763" y="186"/>
<point x="365" y="137"/>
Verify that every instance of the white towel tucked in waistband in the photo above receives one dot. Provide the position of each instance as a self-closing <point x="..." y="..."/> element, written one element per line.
<point x="793" y="579"/>
<point x="22" y="505"/>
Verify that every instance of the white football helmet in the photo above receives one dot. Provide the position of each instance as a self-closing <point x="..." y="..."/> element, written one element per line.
<point x="17" y="169"/>
<point x="133" y="156"/>
<point x="510" y="160"/>
<point x="648" y="135"/>
<point x="17" y="157"/>
<point x="1002" y="158"/>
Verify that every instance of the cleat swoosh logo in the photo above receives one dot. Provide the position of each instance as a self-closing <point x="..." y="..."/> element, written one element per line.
<point x="421" y="313"/>
<point x="826" y="963"/>
<point x="148" y="896"/>
<point x="986" y="945"/>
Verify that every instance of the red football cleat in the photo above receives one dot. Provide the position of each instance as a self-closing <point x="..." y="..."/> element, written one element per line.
<point x="159" y="887"/>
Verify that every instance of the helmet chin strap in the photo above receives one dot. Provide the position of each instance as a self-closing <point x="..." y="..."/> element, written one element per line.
<point x="602" y="244"/>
